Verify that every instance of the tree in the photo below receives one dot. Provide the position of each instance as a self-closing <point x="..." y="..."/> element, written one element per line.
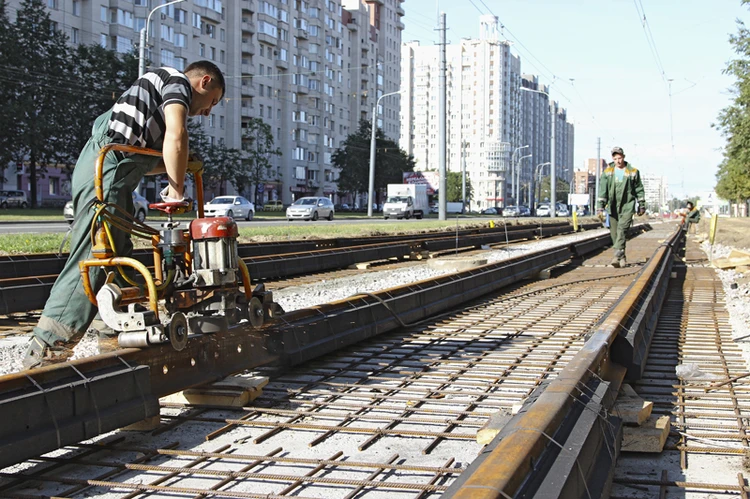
<point x="454" y="187"/>
<point x="258" y="147"/>
<point x="101" y="76"/>
<point x="562" y="188"/>
<point x="220" y="163"/>
<point x="43" y="90"/>
<point x="11" y="110"/>
<point x="734" y="122"/>
<point x="353" y="158"/>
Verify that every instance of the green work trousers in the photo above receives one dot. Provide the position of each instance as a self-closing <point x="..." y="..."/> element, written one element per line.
<point x="619" y="223"/>
<point x="68" y="311"/>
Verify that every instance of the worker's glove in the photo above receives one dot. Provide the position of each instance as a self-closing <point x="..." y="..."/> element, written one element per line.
<point x="641" y="211"/>
<point x="600" y="213"/>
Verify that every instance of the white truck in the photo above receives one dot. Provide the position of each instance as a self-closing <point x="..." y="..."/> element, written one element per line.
<point x="406" y="201"/>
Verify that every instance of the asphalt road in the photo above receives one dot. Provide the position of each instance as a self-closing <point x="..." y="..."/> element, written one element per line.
<point x="62" y="226"/>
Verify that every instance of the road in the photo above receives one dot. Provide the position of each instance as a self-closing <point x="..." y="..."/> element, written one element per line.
<point x="62" y="226"/>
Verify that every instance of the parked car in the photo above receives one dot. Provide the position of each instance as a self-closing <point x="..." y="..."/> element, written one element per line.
<point x="511" y="211"/>
<point x="524" y="211"/>
<point x="434" y="208"/>
<point x="341" y="207"/>
<point x="310" y="208"/>
<point x="229" y="206"/>
<point x="542" y="210"/>
<point x="13" y="199"/>
<point x="492" y="211"/>
<point x="140" y="208"/>
<point x="273" y="205"/>
<point x="562" y="211"/>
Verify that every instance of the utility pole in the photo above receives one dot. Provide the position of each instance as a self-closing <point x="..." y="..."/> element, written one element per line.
<point x="442" y="113"/>
<point x="598" y="167"/>
<point x="553" y="173"/>
<point x="463" y="174"/>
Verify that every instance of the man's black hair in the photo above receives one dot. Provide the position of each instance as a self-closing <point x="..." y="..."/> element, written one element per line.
<point x="210" y="69"/>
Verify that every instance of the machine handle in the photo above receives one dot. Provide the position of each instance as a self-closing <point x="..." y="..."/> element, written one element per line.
<point x="174" y="208"/>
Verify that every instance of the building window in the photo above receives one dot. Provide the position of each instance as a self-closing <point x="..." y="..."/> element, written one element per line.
<point x="202" y="50"/>
<point x="197" y="23"/>
<point x="212" y="120"/>
<point x="103" y="40"/>
<point x="104" y="15"/>
<point x="221" y="122"/>
<point x="213" y="53"/>
<point x="52" y="4"/>
<point x="211" y="30"/>
<point x="222" y="35"/>
<point x="54" y="186"/>
<point x="76" y="8"/>
<point x="222" y="57"/>
<point x="75" y="36"/>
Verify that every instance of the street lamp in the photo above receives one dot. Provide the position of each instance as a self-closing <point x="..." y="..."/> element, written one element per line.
<point x="144" y="38"/>
<point x="519" y="167"/>
<point x="371" y="184"/>
<point x="533" y="187"/>
<point x="513" y="171"/>
<point x="552" y="180"/>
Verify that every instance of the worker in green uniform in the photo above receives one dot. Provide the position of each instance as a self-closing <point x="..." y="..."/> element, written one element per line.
<point x="620" y="187"/>
<point x="692" y="217"/>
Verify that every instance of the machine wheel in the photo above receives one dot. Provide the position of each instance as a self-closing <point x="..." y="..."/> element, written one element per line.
<point x="288" y="219"/>
<point x="230" y="214"/>
<point x="330" y="216"/>
<point x="255" y="312"/>
<point x="178" y="331"/>
<point x="419" y="216"/>
<point x="250" y="214"/>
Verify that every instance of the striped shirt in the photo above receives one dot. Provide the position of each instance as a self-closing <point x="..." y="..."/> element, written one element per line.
<point x="138" y="116"/>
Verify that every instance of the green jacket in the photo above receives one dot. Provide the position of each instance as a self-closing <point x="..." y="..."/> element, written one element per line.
<point x="694" y="216"/>
<point x="630" y="192"/>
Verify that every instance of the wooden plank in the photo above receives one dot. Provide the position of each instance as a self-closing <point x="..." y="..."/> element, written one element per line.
<point x="230" y="392"/>
<point x="649" y="437"/>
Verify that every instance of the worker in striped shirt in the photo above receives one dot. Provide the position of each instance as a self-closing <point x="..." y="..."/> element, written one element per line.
<point x="152" y="113"/>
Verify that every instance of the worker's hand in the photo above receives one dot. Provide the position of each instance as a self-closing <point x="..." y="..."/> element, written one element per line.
<point x="641" y="211"/>
<point x="600" y="212"/>
<point x="195" y="167"/>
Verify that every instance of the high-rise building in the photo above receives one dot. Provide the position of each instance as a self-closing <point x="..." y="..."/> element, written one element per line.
<point x="656" y="189"/>
<point x="311" y="69"/>
<point x="489" y="118"/>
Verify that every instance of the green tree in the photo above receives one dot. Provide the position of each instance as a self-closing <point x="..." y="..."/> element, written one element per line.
<point x="101" y="76"/>
<point x="44" y="91"/>
<point x="562" y="188"/>
<point x="733" y="177"/>
<point x="353" y="159"/>
<point x="8" y="91"/>
<point x="258" y="147"/>
<point x="454" y="187"/>
<point x="221" y="164"/>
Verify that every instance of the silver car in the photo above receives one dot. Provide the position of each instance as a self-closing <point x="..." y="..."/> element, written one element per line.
<point x="230" y="206"/>
<point x="310" y="208"/>
<point x="140" y="208"/>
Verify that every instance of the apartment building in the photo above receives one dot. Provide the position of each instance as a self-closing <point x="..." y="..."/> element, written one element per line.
<point x="489" y="117"/>
<point x="311" y="69"/>
<point x="656" y="189"/>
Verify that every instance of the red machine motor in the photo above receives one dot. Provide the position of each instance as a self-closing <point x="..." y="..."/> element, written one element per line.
<point x="214" y="251"/>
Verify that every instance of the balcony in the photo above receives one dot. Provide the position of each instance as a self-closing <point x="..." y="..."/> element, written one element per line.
<point x="400" y="11"/>
<point x="281" y="64"/>
<point x="301" y="33"/>
<point x="265" y="38"/>
<point x="302" y="89"/>
<point x="248" y="90"/>
<point x="248" y="26"/>
<point x="248" y="48"/>
<point x="400" y="25"/>
<point x="248" y="69"/>
<point x="246" y="112"/>
<point x="379" y="2"/>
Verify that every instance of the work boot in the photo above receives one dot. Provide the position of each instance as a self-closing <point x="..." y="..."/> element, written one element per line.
<point x="623" y="261"/>
<point x="38" y="353"/>
<point x="107" y="337"/>
<point x="619" y="255"/>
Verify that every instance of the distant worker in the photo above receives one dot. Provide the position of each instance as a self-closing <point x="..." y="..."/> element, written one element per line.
<point x="692" y="217"/>
<point x="620" y="187"/>
<point x="152" y="113"/>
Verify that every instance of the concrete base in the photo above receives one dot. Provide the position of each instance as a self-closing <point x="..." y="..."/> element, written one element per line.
<point x="631" y="408"/>
<point x="456" y="263"/>
<point x="229" y="392"/>
<point x="148" y="424"/>
<point x="650" y="437"/>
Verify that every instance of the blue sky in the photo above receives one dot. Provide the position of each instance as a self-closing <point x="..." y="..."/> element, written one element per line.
<point x="618" y="92"/>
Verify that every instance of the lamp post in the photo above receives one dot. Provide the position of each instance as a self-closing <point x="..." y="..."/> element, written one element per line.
<point x="371" y="183"/>
<point x="463" y="174"/>
<point x="513" y="173"/>
<point x="519" y="167"/>
<point x="552" y="180"/>
<point x="144" y="38"/>
<point x="533" y="187"/>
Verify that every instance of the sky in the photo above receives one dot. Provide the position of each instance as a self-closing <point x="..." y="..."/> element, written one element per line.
<point x="603" y="70"/>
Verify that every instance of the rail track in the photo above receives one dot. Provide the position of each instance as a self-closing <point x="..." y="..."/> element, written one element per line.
<point x="396" y="415"/>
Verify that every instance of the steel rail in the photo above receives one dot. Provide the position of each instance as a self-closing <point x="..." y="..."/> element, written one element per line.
<point x="61" y="404"/>
<point x="527" y="449"/>
<point x="20" y="294"/>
